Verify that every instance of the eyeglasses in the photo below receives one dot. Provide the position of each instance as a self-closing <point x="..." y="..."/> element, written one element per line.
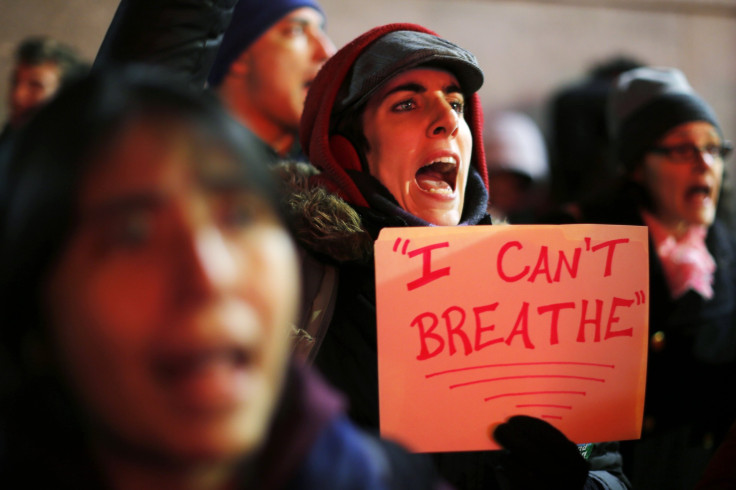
<point x="687" y="152"/>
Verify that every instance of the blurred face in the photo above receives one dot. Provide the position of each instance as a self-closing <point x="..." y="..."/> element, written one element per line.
<point x="684" y="191"/>
<point x="30" y="86"/>
<point x="171" y="304"/>
<point x="419" y="143"/>
<point x="278" y="68"/>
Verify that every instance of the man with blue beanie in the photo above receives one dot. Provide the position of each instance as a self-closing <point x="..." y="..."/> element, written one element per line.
<point x="269" y="56"/>
<point x="260" y="56"/>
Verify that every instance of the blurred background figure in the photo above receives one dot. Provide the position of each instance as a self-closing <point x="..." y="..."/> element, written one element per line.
<point x="578" y="135"/>
<point x="42" y="65"/>
<point x="518" y="167"/>
<point x="673" y="152"/>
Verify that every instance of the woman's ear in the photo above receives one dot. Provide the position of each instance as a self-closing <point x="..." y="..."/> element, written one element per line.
<point x="344" y="152"/>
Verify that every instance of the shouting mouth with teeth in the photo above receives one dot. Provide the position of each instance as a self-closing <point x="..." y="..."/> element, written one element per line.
<point x="419" y="144"/>
<point x="438" y="177"/>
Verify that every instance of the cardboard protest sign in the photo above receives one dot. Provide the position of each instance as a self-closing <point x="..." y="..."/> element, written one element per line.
<point x="479" y="323"/>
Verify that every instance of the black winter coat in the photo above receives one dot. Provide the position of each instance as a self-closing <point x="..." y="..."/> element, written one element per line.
<point x="689" y="405"/>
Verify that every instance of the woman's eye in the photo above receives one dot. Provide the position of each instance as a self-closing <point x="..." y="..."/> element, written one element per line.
<point x="237" y="215"/>
<point x="682" y="151"/>
<point x="129" y="232"/>
<point x="240" y="212"/>
<point x="295" y="30"/>
<point x="713" y="150"/>
<point x="457" y="106"/>
<point x="404" y="105"/>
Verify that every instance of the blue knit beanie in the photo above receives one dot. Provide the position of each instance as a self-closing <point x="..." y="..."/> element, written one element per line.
<point x="251" y="18"/>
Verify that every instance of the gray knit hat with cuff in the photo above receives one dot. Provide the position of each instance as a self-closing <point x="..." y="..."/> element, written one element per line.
<point x="645" y="103"/>
<point x="399" y="51"/>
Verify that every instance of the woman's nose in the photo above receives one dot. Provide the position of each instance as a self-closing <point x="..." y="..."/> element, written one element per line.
<point x="207" y="265"/>
<point x="445" y="119"/>
<point x="704" y="159"/>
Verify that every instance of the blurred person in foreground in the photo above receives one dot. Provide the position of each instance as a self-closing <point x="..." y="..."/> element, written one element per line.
<point x="392" y="127"/>
<point x="673" y="152"/>
<point x="148" y="283"/>
<point x="260" y="57"/>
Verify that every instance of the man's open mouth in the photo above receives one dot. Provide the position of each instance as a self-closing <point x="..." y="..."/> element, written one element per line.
<point x="438" y="177"/>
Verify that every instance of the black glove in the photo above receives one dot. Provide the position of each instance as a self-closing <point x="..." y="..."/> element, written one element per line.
<point x="538" y="456"/>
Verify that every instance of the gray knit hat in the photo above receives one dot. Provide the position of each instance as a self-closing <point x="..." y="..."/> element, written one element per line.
<point x="400" y="51"/>
<point x="645" y="103"/>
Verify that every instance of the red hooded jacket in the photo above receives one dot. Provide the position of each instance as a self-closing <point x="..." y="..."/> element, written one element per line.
<point x="334" y="154"/>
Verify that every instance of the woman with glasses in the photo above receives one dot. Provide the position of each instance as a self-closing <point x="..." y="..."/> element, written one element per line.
<point x="673" y="156"/>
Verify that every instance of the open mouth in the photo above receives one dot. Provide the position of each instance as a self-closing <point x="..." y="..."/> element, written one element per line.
<point x="207" y="381"/>
<point x="175" y="367"/>
<point x="438" y="177"/>
<point x="699" y="191"/>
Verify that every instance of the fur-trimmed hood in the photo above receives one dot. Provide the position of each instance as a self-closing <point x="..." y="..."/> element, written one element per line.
<point x="322" y="222"/>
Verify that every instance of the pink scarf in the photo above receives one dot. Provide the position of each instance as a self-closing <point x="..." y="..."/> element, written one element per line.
<point x="686" y="262"/>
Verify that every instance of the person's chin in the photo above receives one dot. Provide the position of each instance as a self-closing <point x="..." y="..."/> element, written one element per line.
<point x="440" y="216"/>
<point x="704" y="219"/>
<point x="221" y="439"/>
<point x="442" y="209"/>
<point x="703" y="214"/>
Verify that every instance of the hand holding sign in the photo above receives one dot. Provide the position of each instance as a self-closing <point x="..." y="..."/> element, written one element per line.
<point x="539" y="456"/>
<point x="476" y="324"/>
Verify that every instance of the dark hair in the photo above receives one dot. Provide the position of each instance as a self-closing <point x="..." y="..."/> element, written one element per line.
<point x="52" y="155"/>
<point x="42" y="49"/>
